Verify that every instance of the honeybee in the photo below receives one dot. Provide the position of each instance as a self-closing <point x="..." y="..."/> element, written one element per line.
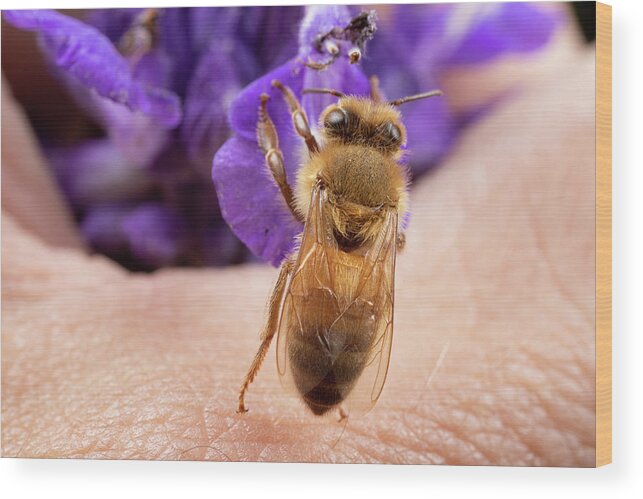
<point x="332" y="305"/>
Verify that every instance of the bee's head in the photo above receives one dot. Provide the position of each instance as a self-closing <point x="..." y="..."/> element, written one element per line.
<point x="360" y="121"/>
<point x="365" y="121"/>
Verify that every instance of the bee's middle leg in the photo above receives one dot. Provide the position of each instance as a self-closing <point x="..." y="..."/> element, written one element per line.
<point x="268" y="332"/>
<point x="299" y="118"/>
<point x="269" y="143"/>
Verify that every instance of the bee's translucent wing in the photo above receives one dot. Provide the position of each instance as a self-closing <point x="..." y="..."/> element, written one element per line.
<point x="377" y="287"/>
<point x="336" y="323"/>
<point x="311" y="273"/>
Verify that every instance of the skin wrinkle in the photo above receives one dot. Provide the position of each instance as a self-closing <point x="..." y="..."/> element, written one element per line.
<point x="563" y="423"/>
<point x="213" y="441"/>
<point x="582" y="405"/>
<point x="413" y="434"/>
<point x="99" y="363"/>
<point x="541" y="242"/>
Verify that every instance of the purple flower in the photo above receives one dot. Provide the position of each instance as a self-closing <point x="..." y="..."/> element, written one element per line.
<point x="410" y="51"/>
<point x="417" y="44"/>
<point x="159" y="83"/>
<point x="96" y="64"/>
<point x="144" y="236"/>
<point x="96" y="172"/>
<point x="169" y="88"/>
<point x="155" y="234"/>
<point x="249" y="199"/>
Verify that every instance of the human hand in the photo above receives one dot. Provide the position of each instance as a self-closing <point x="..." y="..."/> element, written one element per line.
<point x="493" y="352"/>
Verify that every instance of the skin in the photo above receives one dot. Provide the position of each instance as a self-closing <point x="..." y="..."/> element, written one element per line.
<point x="493" y="353"/>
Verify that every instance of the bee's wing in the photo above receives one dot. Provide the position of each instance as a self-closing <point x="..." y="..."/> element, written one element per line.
<point x="377" y="287"/>
<point x="312" y="271"/>
<point x="339" y="295"/>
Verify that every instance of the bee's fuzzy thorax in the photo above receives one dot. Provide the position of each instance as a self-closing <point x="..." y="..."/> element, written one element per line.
<point x="358" y="180"/>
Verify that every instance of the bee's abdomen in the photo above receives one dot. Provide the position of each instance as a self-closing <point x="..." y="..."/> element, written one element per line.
<point x="325" y="395"/>
<point x="326" y="363"/>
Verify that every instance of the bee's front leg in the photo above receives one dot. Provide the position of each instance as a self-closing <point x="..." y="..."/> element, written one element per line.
<point x="269" y="330"/>
<point x="299" y="118"/>
<point x="269" y="143"/>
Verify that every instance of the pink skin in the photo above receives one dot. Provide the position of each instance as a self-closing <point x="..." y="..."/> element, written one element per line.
<point x="493" y="354"/>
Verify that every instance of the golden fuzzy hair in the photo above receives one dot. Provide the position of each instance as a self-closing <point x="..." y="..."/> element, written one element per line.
<point x="356" y="188"/>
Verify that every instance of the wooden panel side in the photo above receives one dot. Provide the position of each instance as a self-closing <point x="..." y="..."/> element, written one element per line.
<point x="603" y="234"/>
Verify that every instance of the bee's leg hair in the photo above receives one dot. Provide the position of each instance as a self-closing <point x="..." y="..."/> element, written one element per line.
<point x="268" y="141"/>
<point x="269" y="330"/>
<point x="299" y="118"/>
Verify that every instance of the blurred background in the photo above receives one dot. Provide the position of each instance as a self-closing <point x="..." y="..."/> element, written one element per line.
<point x="162" y="210"/>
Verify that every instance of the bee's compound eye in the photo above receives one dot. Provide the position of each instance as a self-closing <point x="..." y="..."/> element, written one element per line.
<point x="337" y="118"/>
<point x="394" y="133"/>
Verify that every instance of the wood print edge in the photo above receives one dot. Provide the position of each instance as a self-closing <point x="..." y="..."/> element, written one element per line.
<point x="603" y="234"/>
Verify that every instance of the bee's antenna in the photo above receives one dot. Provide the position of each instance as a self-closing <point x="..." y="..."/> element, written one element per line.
<point x="330" y="91"/>
<point x="410" y="98"/>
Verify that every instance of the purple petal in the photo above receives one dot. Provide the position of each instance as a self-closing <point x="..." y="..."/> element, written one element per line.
<point x="422" y="39"/>
<point x="408" y="41"/>
<point x="244" y="109"/>
<point x="431" y="131"/>
<point x="251" y="203"/>
<point x="154" y="69"/>
<point x="503" y="28"/>
<point x="410" y="24"/>
<point x="154" y="234"/>
<point x="185" y="34"/>
<point x="96" y="172"/>
<point x="431" y="127"/>
<point x="102" y="227"/>
<point x="186" y="187"/>
<point x="221" y="247"/>
<point x="417" y="42"/>
<point x="175" y="40"/>
<point x="343" y="76"/>
<point x="207" y="24"/>
<point x="425" y="38"/>
<point x="318" y="21"/>
<point x="93" y="60"/>
<point x="327" y="32"/>
<point x="138" y="137"/>
<point x="329" y="22"/>
<point x="244" y="112"/>
<point x="210" y="92"/>
<point x="270" y="34"/>
<point x="113" y="23"/>
<point x="294" y="74"/>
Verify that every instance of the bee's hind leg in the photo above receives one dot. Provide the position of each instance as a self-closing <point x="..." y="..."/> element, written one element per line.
<point x="272" y="323"/>
<point x="269" y="143"/>
<point x="299" y="118"/>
